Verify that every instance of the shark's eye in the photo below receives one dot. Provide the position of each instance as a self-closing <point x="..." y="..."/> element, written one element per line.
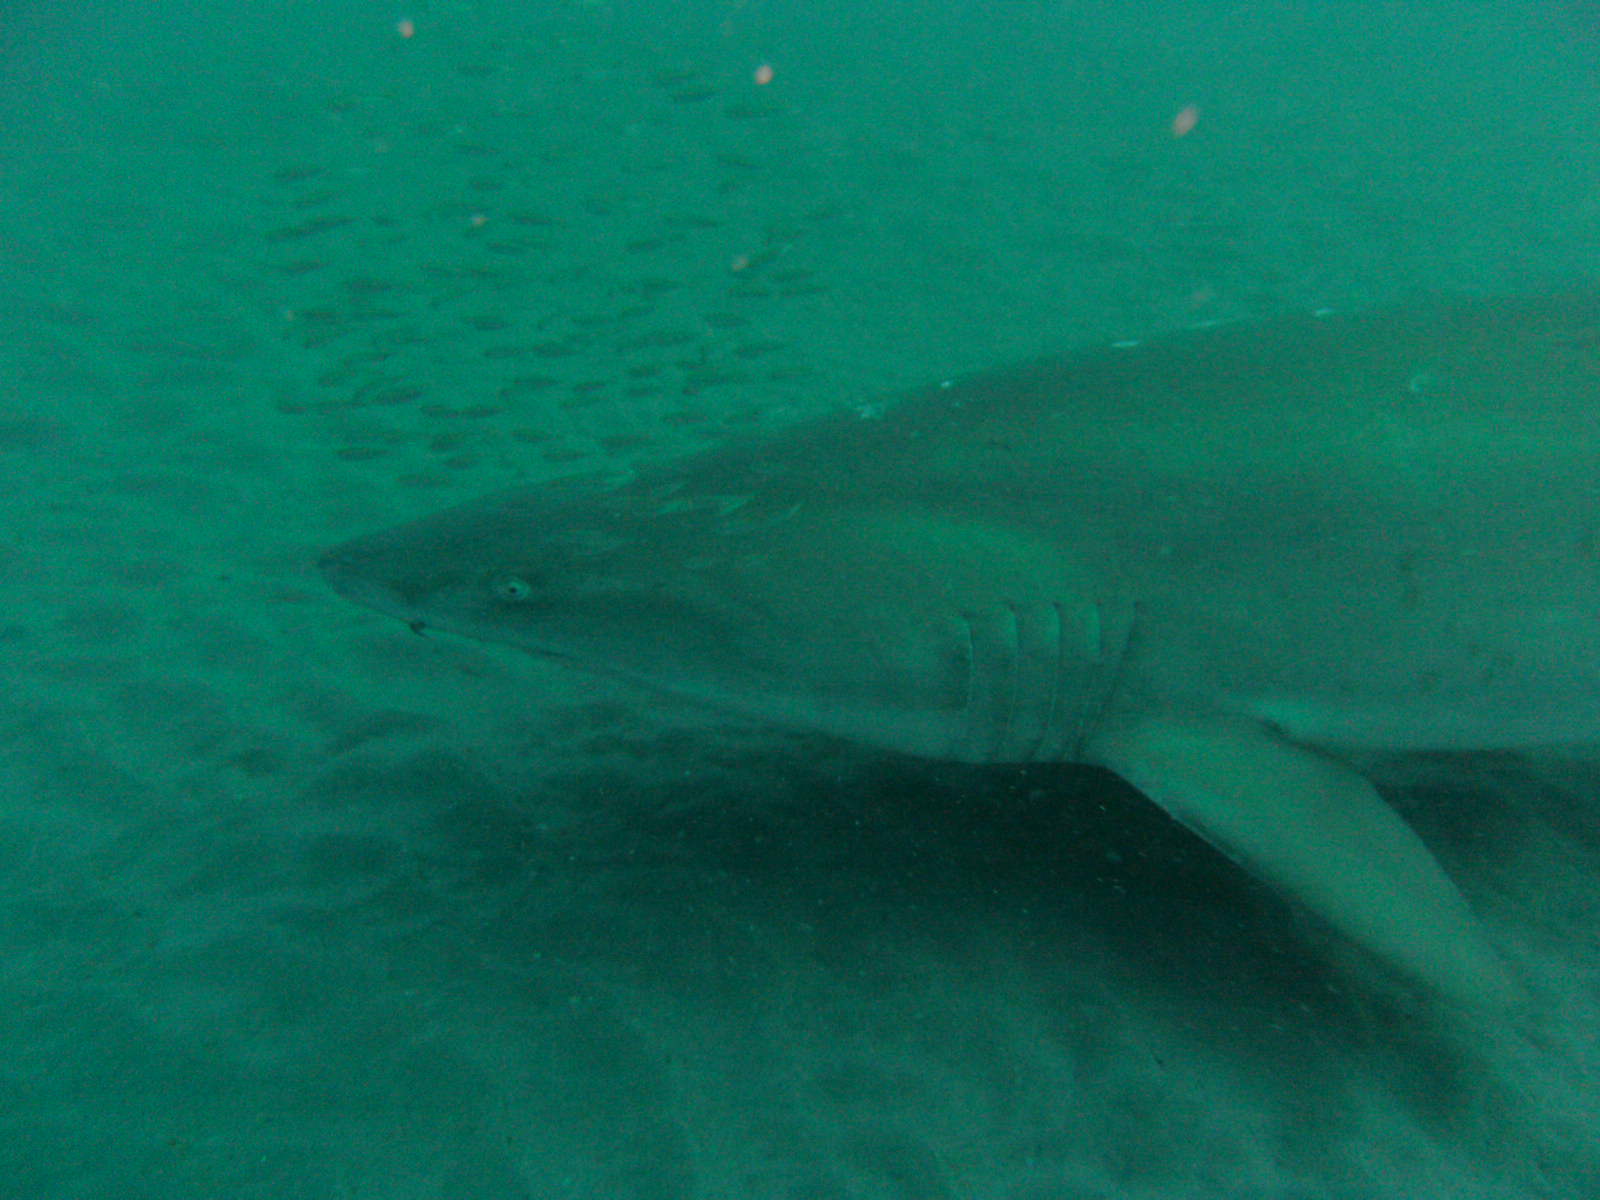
<point x="511" y="589"/>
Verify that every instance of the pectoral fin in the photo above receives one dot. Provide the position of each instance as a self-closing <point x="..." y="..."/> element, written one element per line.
<point x="1317" y="831"/>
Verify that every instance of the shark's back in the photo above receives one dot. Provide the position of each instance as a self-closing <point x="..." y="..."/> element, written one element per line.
<point x="1378" y="530"/>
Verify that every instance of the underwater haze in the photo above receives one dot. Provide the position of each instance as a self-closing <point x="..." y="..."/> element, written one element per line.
<point x="295" y="903"/>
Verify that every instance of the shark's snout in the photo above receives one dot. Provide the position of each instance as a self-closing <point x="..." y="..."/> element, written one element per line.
<point x="360" y="571"/>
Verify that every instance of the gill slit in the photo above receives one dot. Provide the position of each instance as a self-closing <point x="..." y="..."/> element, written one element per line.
<point x="1110" y="663"/>
<point x="1048" y="733"/>
<point x="1013" y="651"/>
<point x="1087" y="718"/>
<point x="968" y="720"/>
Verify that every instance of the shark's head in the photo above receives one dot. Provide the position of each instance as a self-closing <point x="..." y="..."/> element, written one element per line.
<point x="906" y="632"/>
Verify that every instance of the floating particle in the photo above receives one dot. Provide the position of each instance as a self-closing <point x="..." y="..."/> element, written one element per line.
<point x="763" y="74"/>
<point x="406" y="27"/>
<point x="1186" y="119"/>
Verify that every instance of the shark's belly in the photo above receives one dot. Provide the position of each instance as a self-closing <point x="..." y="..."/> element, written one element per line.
<point x="1479" y="665"/>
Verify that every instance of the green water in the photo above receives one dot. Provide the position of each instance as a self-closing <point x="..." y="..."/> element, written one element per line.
<point x="295" y="904"/>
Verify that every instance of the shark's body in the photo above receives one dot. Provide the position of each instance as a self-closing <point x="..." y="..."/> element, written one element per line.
<point x="1221" y="564"/>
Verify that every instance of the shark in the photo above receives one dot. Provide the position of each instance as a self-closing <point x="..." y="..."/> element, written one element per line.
<point x="1230" y="565"/>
